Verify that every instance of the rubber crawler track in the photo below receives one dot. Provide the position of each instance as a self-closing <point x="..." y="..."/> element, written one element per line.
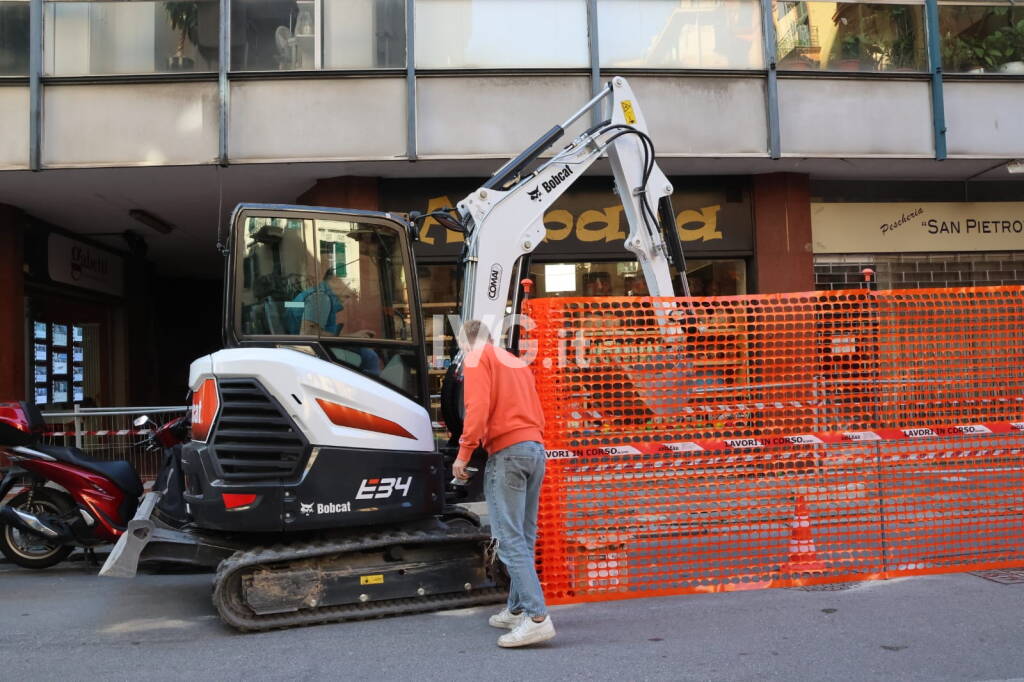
<point x="227" y="592"/>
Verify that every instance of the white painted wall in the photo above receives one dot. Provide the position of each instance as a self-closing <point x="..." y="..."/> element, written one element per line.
<point x="14" y="124"/>
<point x="320" y="120"/>
<point x="845" y="117"/>
<point x="111" y="125"/>
<point x="704" y="116"/>
<point x="502" y="115"/>
<point x="494" y="115"/>
<point x="985" y="119"/>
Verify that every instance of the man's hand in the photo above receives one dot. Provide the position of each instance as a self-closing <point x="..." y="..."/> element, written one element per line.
<point x="459" y="470"/>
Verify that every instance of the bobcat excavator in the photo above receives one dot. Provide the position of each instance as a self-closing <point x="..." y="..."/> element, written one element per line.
<point x="312" y="481"/>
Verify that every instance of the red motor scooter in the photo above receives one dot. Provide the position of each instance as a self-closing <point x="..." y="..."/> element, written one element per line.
<point x="70" y="499"/>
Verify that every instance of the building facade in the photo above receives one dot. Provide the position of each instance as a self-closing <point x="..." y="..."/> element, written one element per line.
<point x="806" y="141"/>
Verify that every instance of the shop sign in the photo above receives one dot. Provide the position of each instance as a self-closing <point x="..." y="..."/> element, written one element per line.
<point x="589" y="222"/>
<point x="70" y="261"/>
<point x="917" y="227"/>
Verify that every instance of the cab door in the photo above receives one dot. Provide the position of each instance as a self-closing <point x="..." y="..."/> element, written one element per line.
<point x="336" y="283"/>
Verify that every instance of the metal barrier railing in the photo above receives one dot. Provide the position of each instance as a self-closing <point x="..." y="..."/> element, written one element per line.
<point x="107" y="433"/>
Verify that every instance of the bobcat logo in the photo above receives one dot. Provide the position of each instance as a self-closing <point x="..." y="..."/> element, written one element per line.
<point x="534" y="194"/>
<point x="306" y="509"/>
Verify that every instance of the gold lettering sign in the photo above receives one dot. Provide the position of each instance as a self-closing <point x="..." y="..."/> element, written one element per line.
<point x="707" y="220"/>
<point x="592" y="225"/>
<point x="558" y="217"/>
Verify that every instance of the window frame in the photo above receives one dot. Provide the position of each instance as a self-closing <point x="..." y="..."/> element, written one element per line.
<point x="320" y="345"/>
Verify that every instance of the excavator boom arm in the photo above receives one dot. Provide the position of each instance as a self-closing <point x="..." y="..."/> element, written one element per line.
<point x="505" y="216"/>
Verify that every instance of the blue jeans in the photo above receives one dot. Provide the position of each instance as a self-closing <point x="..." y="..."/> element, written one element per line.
<point x="512" y="486"/>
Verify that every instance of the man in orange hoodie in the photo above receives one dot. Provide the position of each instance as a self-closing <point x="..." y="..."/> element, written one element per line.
<point x="503" y="413"/>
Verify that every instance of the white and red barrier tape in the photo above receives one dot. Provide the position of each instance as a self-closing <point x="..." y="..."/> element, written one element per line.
<point x="800" y="404"/>
<point x="101" y="432"/>
<point x="823" y="438"/>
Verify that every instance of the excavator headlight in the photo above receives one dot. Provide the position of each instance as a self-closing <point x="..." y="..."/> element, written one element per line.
<point x="205" y="404"/>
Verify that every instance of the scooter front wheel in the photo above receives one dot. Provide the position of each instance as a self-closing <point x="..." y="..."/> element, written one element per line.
<point x="30" y="550"/>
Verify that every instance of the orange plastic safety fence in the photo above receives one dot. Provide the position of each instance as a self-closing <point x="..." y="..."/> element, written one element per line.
<point x="740" y="442"/>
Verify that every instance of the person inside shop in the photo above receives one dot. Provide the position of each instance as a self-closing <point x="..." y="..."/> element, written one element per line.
<point x="597" y="284"/>
<point x="323" y="314"/>
<point x="638" y="287"/>
<point x="696" y="286"/>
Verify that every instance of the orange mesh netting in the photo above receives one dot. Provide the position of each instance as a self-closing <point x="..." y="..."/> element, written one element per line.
<point x="739" y="442"/>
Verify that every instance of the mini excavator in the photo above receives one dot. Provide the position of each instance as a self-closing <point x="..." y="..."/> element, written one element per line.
<point x="312" y="481"/>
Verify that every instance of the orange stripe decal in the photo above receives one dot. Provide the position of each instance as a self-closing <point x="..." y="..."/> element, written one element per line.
<point x="357" y="419"/>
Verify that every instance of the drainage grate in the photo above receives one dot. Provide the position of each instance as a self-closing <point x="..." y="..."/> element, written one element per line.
<point x="1003" y="576"/>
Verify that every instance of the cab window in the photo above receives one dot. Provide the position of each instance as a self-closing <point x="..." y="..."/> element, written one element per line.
<point x="323" y="278"/>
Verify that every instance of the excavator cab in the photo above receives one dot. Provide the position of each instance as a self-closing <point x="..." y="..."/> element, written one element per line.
<point x="314" y="415"/>
<point x="335" y="283"/>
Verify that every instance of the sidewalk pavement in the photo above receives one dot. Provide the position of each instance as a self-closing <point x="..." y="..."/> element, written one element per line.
<point x="162" y="627"/>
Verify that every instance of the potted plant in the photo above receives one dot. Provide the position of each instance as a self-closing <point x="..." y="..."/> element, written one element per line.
<point x="900" y="53"/>
<point x="994" y="50"/>
<point x="849" y="52"/>
<point x="184" y="18"/>
<point x="958" y="55"/>
<point x="858" y="52"/>
<point x="1015" y="42"/>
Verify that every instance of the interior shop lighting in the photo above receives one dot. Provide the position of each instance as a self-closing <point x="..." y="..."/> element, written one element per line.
<point x="150" y="220"/>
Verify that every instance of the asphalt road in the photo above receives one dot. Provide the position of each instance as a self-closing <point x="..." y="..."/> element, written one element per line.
<point x="68" y="624"/>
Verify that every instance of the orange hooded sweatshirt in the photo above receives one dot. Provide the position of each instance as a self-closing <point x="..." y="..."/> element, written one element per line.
<point x="502" y="407"/>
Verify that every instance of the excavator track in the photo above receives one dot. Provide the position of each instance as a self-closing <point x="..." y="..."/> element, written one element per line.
<point x="232" y="574"/>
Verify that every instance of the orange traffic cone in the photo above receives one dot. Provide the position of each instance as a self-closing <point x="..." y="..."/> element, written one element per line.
<point x="803" y="557"/>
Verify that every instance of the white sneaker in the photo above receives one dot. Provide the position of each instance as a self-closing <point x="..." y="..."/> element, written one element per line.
<point x="528" y="632"/>
<point x="505" y="619"/>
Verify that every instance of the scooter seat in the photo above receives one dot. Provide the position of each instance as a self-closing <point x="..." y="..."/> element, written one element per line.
<point x="122" y="473"/>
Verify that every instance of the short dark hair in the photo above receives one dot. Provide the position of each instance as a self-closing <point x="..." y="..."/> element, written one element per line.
<point x="474" y="330"/>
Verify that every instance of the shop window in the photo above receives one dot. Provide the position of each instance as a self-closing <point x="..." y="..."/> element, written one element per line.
<point x="86" y="38"/>
<point x="982" y="38"/>
<point x="720" y="277"/>
<point x="850" y="36"/>
<point x="65" y="363"/>
<point x="717" y="277"/>
<point x="680" y="34"/>
<point x="14" y="49"/>
<point x="465" y="34"/>
<point x="291" y="35"/>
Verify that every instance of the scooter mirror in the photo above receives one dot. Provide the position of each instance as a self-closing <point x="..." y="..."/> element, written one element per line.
<point x="141" y="421"/>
